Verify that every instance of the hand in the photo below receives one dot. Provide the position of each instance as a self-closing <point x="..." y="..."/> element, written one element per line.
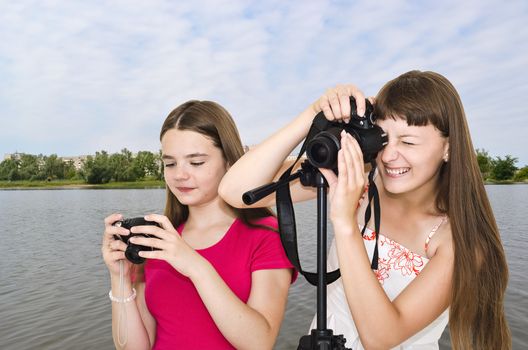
<point x="346" y="188"/>
<point x="113" y="249"/>
<point x="172" y="248"/>
<point x="335" y="103"/>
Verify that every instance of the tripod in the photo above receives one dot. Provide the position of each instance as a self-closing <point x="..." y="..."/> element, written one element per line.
<point x="320" y="338"/>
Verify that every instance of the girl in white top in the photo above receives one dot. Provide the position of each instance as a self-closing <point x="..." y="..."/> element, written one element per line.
<point x="439" y="247"/>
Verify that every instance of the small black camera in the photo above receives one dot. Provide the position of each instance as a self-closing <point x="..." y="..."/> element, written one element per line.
<point x="322" y="148"/>
<point x="132" y="251"/>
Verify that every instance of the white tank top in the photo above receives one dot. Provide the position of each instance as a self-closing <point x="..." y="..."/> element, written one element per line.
<point x="397" y="267"/>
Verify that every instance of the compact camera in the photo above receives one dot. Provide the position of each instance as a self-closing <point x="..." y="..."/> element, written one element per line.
<point x="322" y="148"/>
<point x="132" y="250"/>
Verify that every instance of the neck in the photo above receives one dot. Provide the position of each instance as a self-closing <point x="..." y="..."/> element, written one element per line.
<point x="210" y="213"/>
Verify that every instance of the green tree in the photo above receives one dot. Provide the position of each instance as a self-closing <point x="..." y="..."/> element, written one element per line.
<point x="484" y="162"/>
<point x="147" y="164"/>
<point x="54" y="167"/>
<point x="503" y="169"/>
<point x="522" y="174"/>
<point x="123" y="167"/>
<point x="9" y="170"/>
<point x="97" y="169"/>
<point x="29" y="167"/>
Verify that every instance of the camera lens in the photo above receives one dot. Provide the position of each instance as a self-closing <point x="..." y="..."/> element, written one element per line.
<point x="322" y="149"/>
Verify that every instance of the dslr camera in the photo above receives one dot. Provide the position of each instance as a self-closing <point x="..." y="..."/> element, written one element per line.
<point x="132" y="250"/>
<point x="322" y="148"/>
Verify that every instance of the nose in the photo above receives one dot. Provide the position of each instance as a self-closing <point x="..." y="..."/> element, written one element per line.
<point x="389" y="153"/>
<point x="181" y="173"/>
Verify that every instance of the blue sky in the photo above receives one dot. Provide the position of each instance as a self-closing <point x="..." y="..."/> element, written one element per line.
<point x="77" y="77"/>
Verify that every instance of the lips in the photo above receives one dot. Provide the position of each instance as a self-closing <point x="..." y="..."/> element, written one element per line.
<point x="185" y="189"/>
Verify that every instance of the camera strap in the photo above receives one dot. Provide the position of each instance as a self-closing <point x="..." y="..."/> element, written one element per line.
<point x="286" y="214"/>
<point x="373" y="195"/>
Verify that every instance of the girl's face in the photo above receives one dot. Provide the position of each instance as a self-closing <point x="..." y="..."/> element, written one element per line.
<point x="193" y="166"/>
<point x="412" y="158"/>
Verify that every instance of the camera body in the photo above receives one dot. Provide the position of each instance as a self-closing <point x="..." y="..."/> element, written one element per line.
<point x="132" y="250"/>
<point x="322" y="148"/>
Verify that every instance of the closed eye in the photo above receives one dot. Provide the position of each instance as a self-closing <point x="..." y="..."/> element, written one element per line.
<point x="168" y="165"/>
<point x="197" y="163"/>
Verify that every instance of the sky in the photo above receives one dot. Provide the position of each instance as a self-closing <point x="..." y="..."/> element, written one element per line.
<point x="78" y="77"/>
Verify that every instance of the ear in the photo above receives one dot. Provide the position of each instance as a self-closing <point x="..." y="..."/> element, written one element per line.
<point x="446" y="151"/>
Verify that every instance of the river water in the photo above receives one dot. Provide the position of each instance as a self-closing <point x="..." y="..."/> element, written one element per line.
<point x="54" y="284"/>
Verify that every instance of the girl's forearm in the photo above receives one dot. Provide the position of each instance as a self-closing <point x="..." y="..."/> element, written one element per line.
<point x="132" y="327"/>
<point x="367" y="300"/>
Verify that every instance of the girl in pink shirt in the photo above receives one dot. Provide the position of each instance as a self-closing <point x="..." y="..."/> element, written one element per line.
<point x="219" y="278"/>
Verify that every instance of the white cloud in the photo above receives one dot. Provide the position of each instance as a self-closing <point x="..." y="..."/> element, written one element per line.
<point x="80" y="76"/>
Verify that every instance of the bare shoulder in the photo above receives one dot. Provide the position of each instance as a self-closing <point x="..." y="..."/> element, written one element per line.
<point x="441" y="242"/>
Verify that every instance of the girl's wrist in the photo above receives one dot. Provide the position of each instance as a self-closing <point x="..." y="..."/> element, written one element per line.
<point x="345" y="227"/>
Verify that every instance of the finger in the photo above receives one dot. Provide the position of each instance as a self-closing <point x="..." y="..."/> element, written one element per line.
<point x="347" y="149"/>
<point x="152" y="254"/>
<point x="152" y="230"/>
<point x="335" y="104"/>
<point x="111" y="232"/>
<point x="357" y="160"/>
<point x="324" y="104"/>
<point x="117" y="255"/>
<point x="344" y="101"/>
<point x="111" y="219"/>
<point x="372" y="100"/>
<point x="148" y="242"/>
<point x="162" y="220"/>
<point x="360" y="102"/>
<point x="342" y="178"/>
<point x="329" y="175"/>
<point x="117" y="245"/>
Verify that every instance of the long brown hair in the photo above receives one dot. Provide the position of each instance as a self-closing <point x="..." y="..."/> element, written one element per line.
<point x="480" y="276"/>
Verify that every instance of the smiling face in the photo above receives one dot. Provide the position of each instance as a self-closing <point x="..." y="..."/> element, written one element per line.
<point x="193" y="166"/>
<point x="412" y="158"/>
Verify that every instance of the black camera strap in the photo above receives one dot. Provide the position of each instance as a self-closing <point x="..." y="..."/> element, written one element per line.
<point x="373" y="195"/>
<point x="286" y="214"/>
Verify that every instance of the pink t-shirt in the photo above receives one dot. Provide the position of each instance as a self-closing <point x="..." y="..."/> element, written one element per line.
<point x="182" y="320"/>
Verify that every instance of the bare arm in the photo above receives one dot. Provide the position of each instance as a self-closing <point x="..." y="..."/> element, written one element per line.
<point x="139" y="327"/>
<point x="420" y="303"/>
<point x="264" y="163"/>
<point x="254" y="325"/>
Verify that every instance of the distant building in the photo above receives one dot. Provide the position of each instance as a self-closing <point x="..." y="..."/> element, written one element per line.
<point x="78" y="161"/>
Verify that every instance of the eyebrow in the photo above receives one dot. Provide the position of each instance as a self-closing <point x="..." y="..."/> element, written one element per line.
<point x="192" y="155"/>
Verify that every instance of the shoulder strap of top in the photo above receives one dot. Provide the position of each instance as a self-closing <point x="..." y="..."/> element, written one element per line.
<point x="433" y="231"/>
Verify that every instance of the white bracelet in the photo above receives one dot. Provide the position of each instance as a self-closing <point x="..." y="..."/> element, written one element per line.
<point x="122" y="300"/>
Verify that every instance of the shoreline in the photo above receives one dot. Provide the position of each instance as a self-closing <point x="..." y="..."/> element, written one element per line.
<point x="25" y="186"/>
<point x="149" y="184"/>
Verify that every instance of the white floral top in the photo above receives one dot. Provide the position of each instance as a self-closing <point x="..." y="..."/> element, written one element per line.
<point x="397" y="267"/>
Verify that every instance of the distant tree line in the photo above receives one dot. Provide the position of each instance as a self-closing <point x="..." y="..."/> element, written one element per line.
<point x="500" y="169"/>
<point x="98" y="169"/>
<point x="124" y="166"/>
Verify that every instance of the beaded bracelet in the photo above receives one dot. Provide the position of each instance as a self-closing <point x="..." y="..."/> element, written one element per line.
<point x="122" y="300"/>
